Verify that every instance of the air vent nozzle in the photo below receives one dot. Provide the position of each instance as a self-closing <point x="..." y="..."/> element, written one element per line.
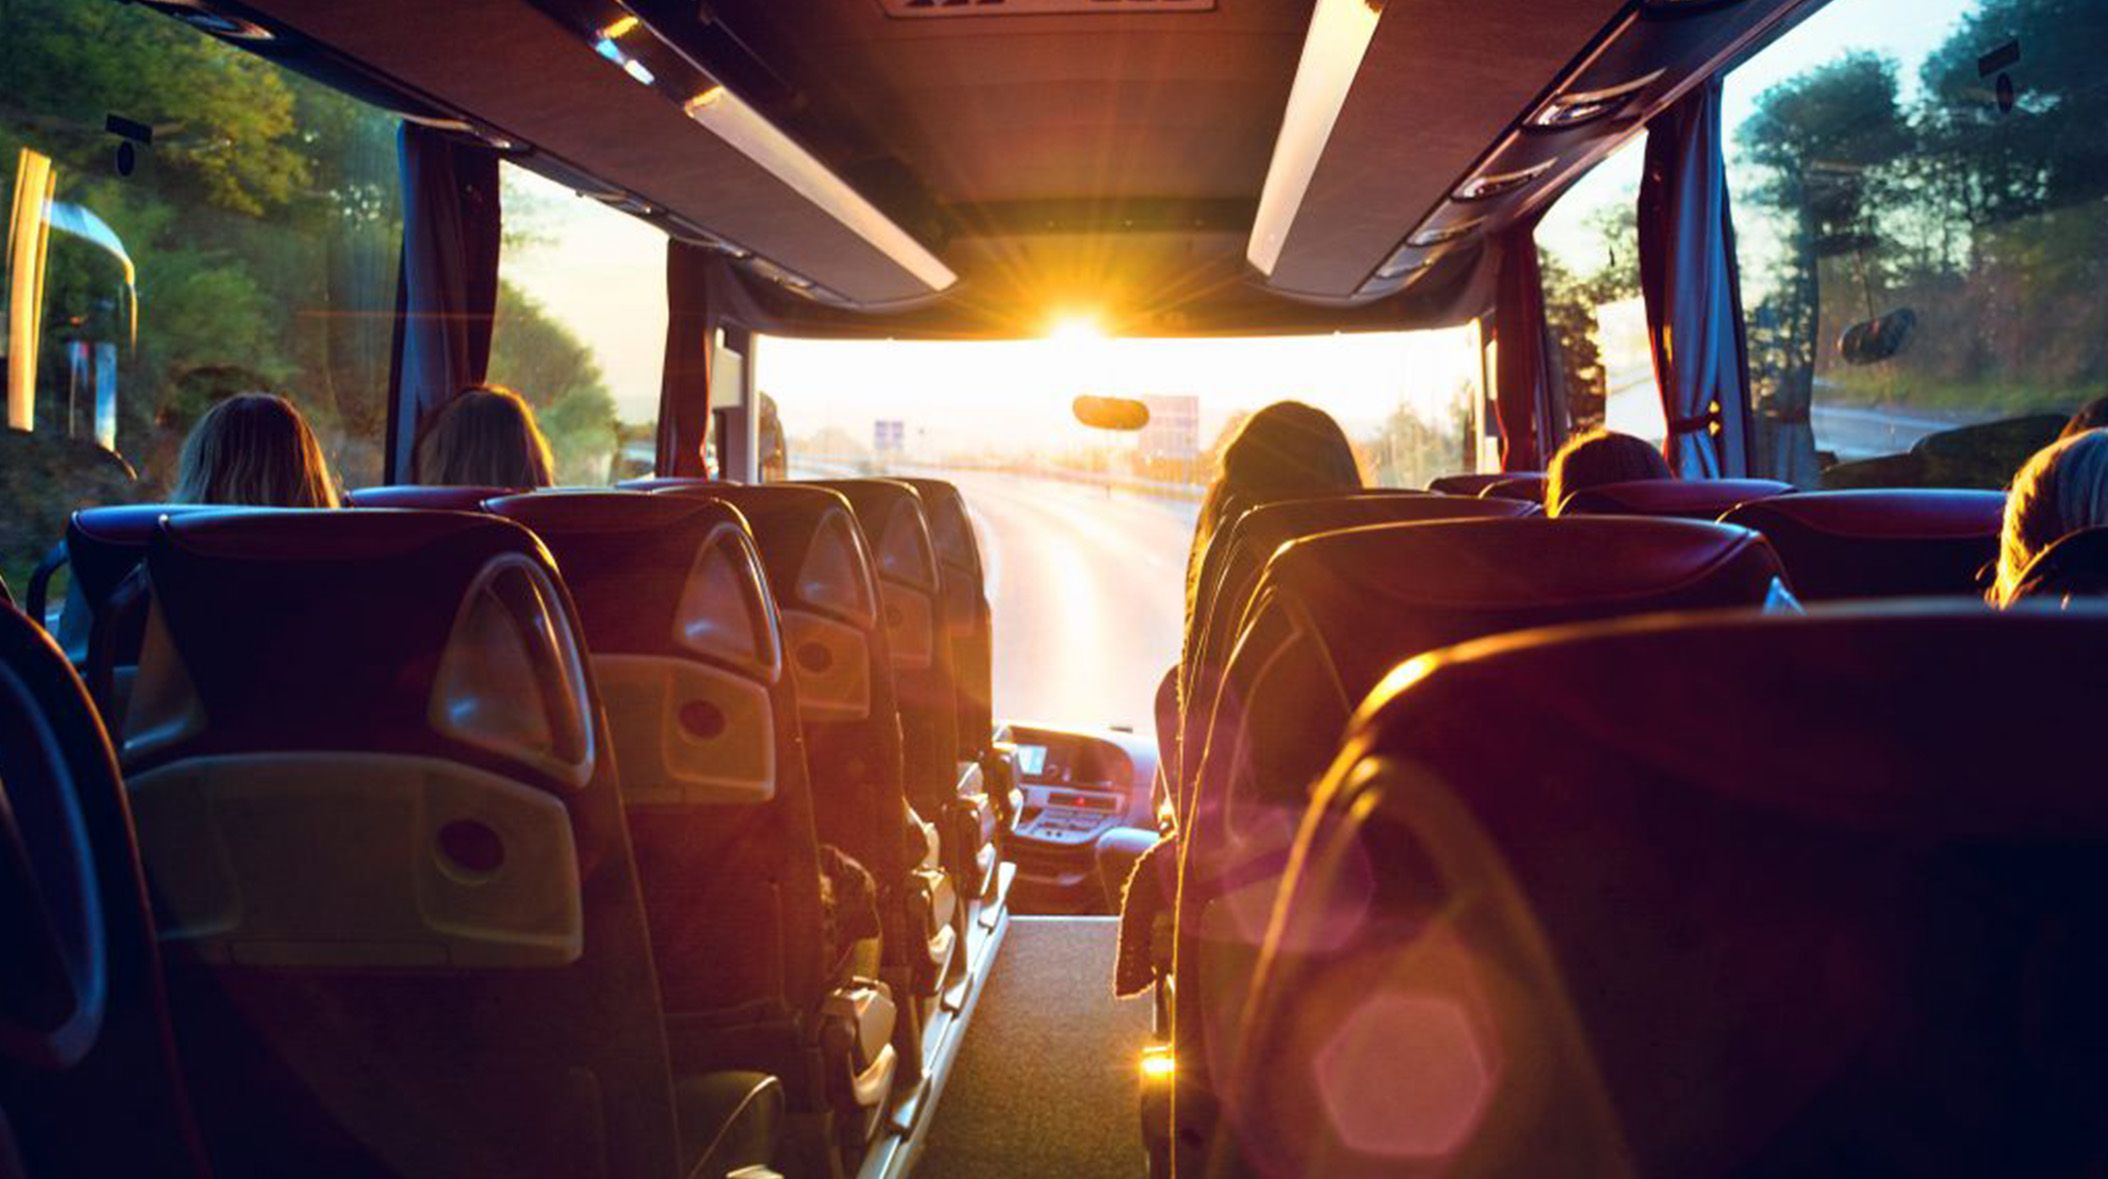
<point x="926" y="9"/>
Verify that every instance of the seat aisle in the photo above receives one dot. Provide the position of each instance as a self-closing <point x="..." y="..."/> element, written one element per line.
<point x="1046" y="1082"/>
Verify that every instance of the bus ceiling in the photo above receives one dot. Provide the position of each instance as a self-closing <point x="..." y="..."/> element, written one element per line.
<point x="1189" y="167"/>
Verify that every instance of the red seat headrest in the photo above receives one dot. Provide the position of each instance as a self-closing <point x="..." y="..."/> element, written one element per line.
<point x="1690" y="499"/>
<point x="410" y="495"/>
<point x="1880" y="543"/>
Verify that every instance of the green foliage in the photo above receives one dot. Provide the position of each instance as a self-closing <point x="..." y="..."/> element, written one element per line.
<point x="541" y="360"/>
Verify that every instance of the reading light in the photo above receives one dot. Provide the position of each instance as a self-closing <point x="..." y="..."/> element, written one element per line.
<point x="619" y="27"/>
<point x="1574" y="108"/>
<point x="1487" y="185"/>
<point x="745" y="131"/>
<point x="1340" y="31"/>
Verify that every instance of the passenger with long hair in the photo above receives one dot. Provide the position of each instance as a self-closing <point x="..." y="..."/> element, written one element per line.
<point x="253" y="450"/>
<point x="1597" y="458"/>
<point x="2091" y="416"/>
<point x="2061" y="490"/>
<point x="485" y="437"/>
<point x="1284" y="451"/>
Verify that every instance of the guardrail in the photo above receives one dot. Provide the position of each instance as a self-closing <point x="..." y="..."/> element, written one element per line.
<point x="849" y="466"/>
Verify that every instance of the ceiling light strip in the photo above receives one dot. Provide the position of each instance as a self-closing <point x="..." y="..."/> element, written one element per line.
<point x="728" y="117"/>
<point x="1340" y="32"/>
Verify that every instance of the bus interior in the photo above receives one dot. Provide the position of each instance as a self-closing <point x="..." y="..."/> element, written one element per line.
<point x="885" y="737"/>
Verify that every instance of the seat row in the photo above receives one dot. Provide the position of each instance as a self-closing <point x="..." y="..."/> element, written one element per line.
<point x="587" y="832"/>
<point x="1304" y="607"/>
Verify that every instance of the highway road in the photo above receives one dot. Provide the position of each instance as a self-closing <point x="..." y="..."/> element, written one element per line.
<point x="1085" y="586"/>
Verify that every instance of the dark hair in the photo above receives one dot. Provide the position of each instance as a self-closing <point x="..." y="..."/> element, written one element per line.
<point x="485" y="437"/>
<point x="1596" y="458"/>
<point x="253" y="450"/>
<point x="2091" y="416"/>
<point x="1286" y="450"/>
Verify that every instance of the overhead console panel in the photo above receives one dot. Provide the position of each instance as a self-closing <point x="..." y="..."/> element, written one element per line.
<point x="584" y="104"/>
<point x="1385" y="203"/>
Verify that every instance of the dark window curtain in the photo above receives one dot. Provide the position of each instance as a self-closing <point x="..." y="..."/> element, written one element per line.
<point x="684" y="386"/>
<point x="1527" y="383"/>
<point x="447" y="294"/>
<point x="1687" y="273"/>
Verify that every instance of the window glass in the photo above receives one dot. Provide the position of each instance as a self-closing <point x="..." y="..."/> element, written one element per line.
<point x="581" y="326"/>
<point x="184" y="221"/>
<point x="1084" y="533"/>
<point x="1588" y="245"/>
<point x="1921" y="199"/>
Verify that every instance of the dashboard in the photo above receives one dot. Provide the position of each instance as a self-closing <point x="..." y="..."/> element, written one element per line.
<point x="1077" y="786"/>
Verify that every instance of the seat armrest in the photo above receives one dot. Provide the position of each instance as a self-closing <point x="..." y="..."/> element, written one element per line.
<point x="728" y="1121"/>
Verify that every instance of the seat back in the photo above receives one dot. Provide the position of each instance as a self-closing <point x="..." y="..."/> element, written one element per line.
<point x="1252" y="539"/>
<point x="2074" y="567"/>
<point x="966" y="612"/>
<point x="1731" y="895"/>
<point x="1528" y="488"/>
<point x="101" y="623"/>
<point x="703" y="719"/>
<point x="413" y="495"/>
<point x="1471" y="484"/>
<point x="1333" y="614"/>
<point x="1687" y="499"/>
<point x="910" y="588"/>
<point x="827" y="597"/>
<point x="1880" y="544"/>
<point x="88" y="1076"/>
<point x="397" y="896"/>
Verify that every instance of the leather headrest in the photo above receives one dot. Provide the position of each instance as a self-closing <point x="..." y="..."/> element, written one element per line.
<point x="1523" y="487"/>
<point x="648" y="570"/>
<point x="951" y="531"/>
<point x="103" y="545"/>
<point x="893" y="521"/>
<point x="810" y="544"/>
<point x="1471" y="485"/>
<point x="1950" y="718"/>
<point x="1879" y="543"/>
<point x="1376" y="594"/>
<point x="2076" y="566"/>
<point x="1691" y="499"/>
<point x="381" y="630"/>
<point x="410" y="495"/>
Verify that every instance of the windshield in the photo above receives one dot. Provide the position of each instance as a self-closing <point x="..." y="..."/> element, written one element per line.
<point x="1086" y="531"/>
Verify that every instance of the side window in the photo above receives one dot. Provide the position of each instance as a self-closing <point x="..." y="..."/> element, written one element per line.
<point x="184" y="222"/>
<point x="1588" y="245"/>
<point x="1922" y="206"/>
<point x="581" y="326"/>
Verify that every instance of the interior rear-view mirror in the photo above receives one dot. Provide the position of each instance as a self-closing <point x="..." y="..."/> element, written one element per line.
<point x="1111" y="413"/>
<point x="1876" y="340"/>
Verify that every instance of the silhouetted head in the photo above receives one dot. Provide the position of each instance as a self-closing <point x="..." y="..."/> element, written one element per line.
<point x="486" y="437"/>
<point x="253" y="450"/>
<point x="1285" y="451"/>
<point x="1596" y="458"/>
<point x="2061" y="490"/>
<point x="2091" y="416"/>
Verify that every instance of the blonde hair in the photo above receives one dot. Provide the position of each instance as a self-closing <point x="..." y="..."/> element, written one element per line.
<point x="1596" y="458"/>
<point x="485" y="437"/>
<point x="253" y="450"/>
<point x="2061" y="490"/>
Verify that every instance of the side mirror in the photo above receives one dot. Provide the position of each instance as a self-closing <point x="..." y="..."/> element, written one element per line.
<point x="1111" y="413"/>
<point x="1877" y="340"/>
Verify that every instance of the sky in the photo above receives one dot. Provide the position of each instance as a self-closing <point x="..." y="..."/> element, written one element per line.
<point x="601" y="273"/>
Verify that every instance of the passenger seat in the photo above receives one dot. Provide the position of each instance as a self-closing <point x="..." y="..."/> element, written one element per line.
<point x="1684" y="499"/>
<point x="88" y="1078"/>
<point x="1699" y="896"/>
<point x="1880" y="544"/>
<point x="754" y="968"/>
<point x="397" y="897"/>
